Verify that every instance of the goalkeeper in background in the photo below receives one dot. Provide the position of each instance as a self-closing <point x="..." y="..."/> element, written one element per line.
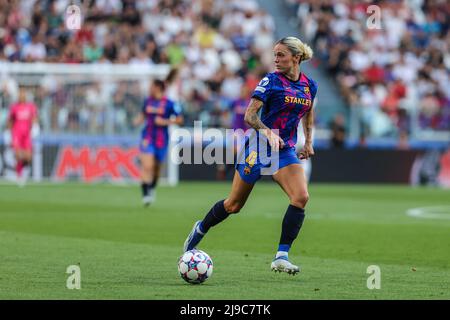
<point x="23" y="126"/>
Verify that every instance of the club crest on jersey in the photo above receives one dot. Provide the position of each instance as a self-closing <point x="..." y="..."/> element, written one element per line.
<point x="306" y="89"/>
<point x="144" y="143"/>
<point x="247" y="170"/>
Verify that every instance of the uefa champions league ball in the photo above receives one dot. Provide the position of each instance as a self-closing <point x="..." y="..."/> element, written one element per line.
<point x="195" y="266"/>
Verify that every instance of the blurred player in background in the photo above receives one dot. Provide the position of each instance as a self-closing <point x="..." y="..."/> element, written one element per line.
<point x="238" y="124"/>
<point x="158" y="113"/>
<point x="284" y="97"/>
<point x="23" y="126"/>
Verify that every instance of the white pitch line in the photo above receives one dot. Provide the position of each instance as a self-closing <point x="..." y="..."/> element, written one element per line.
<point x="436" y="212"/>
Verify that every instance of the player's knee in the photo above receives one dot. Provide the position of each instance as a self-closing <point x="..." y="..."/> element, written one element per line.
<point x="300" y="199"/>
<point x="147" y="167"/>
<point x="233" y="207"/>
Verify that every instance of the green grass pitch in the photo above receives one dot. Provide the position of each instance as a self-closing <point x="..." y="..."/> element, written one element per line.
<point x="126" y="251"/>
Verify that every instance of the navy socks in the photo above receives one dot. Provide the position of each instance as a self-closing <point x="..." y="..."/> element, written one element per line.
<point x="145" y="188"/>
<point x="216" y="215"/>
<point x="292" y="223"/>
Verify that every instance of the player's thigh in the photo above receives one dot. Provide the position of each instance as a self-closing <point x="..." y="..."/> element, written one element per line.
<point x="17" y="153"/>
<point x="240" y="190"/>
<point x="27" y="155"/>
<point x="147" y="161"/>
<point x="160" y="155"/>
<point x="157" y="168"/>
<point x="293" y="181"/>
<point x="21" y="153"/>
<point x="27" y="148"/>
<point x="17" y="146"/>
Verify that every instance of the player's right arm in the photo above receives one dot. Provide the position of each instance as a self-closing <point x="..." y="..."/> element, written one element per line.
<point x="253" y="120"/>
<point x="140" y="118"/>
<point x="160" y="121"/>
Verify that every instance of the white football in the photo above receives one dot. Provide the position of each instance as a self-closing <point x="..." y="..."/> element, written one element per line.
<point x="195" y="266"/>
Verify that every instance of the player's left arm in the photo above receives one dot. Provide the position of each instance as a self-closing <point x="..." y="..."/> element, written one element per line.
<point x="175" y="117"/>
<point x="178" y="120"/>
<point x="308" y="123"/>
<point x="160" y="121"/>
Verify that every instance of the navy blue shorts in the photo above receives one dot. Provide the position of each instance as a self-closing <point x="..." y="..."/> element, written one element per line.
<point x="150" y="148"/>
<point x="254" y="167"/>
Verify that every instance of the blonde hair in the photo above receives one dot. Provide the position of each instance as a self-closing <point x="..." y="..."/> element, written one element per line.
<point x="297" y="47"/>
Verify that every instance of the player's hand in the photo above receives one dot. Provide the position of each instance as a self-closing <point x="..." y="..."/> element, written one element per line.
<point x="306" y="152"/>
<point x="275" y="142"/>
<point x="138" y="120"/>
<point x="160" y="121"/>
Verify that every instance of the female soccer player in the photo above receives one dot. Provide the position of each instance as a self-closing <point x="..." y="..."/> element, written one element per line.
<point x="285" y="96"/>
<point x="23" y="123"/>
<point x="157" y="113"/>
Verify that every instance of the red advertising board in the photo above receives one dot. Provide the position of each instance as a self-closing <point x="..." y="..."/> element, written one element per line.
<point x="91" y="164"/>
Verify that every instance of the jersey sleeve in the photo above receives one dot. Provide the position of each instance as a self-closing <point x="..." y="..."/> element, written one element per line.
<point x="264" y="88"/>
<point x="313" y="87"/>
<point x="174" y="109"/>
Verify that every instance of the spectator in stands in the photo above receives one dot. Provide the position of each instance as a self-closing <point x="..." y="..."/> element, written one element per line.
<point x="222" y="43"/>
<point x="146" y="32"/>
<point x="410" y="52"/>
<point x="34" y="51"/>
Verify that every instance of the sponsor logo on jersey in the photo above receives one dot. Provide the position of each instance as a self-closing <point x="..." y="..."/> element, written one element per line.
<point x="292" y="99"/>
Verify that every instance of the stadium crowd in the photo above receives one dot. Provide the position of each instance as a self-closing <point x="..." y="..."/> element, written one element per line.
<point x="389" y="75"/>
<point x="392" y="78"/>
<point x="216" y="47"/>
